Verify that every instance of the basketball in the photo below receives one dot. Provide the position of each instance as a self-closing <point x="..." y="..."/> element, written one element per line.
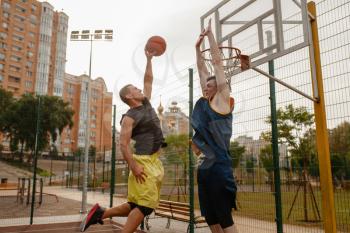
<point x="156" y="44"/>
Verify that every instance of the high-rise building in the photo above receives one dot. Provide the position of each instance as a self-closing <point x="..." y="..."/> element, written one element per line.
<point x="33" y="40"/>
<point x="75" y="92"/>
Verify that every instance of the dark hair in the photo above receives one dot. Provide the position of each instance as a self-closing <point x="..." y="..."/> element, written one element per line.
<point x="211" y="78"/>
<point x="123" y="92"/>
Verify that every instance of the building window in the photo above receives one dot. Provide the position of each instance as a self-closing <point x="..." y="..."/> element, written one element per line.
<point x="3" y="35"/>
<point x="29" y="54"/>
<point x="1" y="77"/>
<point x="5" y="25"/>
<point x="6" y="15"/>
<point x="18" y="38"/>
<point x="33" y="8"/>
<point x="28" y="84"/>
<point x="3" y="45"/>
<point x="16" y="48"/>
<point x="15" y="58"/>
<point x="6" y="5"/>
<point x="20" y="9"/>
<point x="1" y="66"/>
<point x="2" y="56"/>
<point x="19" y="29"/>
<point x="29" y="64"/>
<point x="32" y="18"/>
<point x="29" y="73"/>
<point x="31" y="34"/>
<point x="15" y="68"/>
<point x="14" y="79"/>
<point x="19" y="18"/>
<point x="31" y="44"/>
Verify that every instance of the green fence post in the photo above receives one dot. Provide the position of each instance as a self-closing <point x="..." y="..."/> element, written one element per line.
<point x="191" y="162"/>
<point x="274" y="141"/>
<point x="35" y="161"/>
<point x="112" y="183"/>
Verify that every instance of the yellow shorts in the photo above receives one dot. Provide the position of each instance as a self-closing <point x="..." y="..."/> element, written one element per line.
<point x="148" y="193"/>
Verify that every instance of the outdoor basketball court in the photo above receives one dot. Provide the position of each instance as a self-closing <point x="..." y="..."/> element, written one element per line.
<point x="108" y="227"/>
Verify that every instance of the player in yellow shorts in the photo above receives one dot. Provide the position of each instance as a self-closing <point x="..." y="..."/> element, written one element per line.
<point x="141" y="124"/>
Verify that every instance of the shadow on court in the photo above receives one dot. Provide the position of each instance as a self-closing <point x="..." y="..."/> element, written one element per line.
<point x="108" y="227"/>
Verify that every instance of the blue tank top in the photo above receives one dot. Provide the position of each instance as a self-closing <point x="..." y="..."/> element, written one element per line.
<point x="212" y="133"/>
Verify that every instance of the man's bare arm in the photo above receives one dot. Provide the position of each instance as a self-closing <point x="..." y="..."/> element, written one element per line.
<point x="202" y="68"/>
<point x="222" y="86"/>
<point x="125" y="137"/>
<point x="148" y="78"/>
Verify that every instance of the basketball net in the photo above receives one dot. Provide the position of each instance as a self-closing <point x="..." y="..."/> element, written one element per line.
<point x="231" y="58"/>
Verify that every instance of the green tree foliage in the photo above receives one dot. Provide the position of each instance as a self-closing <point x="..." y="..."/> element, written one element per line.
<point x="266" y="159"/>
<point x="177" y="150"/>
<point x="295" y="129"/>
<point x="18" y="122"/>
<point x="339" y="143"/>
<point x="236" y="152"/>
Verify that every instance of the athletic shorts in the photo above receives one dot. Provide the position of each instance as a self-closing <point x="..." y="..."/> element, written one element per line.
<point x="146" y="194"/>
<point x="217" y="194"/>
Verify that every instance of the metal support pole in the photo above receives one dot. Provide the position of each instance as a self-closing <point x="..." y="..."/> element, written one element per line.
<point x="191" y="162"/>
<point x="35" y="161"/>
<point x="274" y="142"/>
<point x="50" y="170"/>
<point x="112" y="184"/>
<point x="104" y="161"/>
<point x="79" y="155"/>
<point x="329" y="219"/>
<point x="87" y="139"/>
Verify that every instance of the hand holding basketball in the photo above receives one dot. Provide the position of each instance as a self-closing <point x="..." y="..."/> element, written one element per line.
<point x="156" y="46"/>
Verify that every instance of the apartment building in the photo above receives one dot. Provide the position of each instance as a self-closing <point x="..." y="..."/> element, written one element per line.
<point x="75" y="92"/>
<point x="33" y="42"/>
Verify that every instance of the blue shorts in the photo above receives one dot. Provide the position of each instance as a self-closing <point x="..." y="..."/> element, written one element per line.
<point x="217" y="194"/>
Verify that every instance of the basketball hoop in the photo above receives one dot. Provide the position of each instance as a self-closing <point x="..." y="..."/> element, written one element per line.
<point x="232" y="59"/>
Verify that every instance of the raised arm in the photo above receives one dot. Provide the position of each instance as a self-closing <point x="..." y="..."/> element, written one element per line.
<point x="148" y="78"/>
<point x="201" y="67"/>
<point x="222" y="86"/>
<point x="125" y="137"/>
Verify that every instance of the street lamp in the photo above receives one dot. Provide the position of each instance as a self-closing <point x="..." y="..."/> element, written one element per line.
<point x="87" y="35"/>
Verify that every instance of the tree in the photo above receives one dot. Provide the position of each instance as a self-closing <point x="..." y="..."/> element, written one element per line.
<point x="339" y="139"/>
<point x="295" y="129"/>
<point x="236" y="152"/>
<point x="266" y="159"/>
<point x="339" y="143"/>
<point x="6" y="99"/>
<point x="177" y="153"/>
<point x="19" y="121"/>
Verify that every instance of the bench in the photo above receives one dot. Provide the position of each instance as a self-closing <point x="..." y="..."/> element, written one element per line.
<point x="177" y="211"/>
<point x="8" y="186"/>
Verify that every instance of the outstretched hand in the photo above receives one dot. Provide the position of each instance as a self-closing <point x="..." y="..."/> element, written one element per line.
<point x="149" y="54"/>
<point x="204" y="32"/>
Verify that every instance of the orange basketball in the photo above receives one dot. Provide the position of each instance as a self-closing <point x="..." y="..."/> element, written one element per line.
<point x="157" y="44"/>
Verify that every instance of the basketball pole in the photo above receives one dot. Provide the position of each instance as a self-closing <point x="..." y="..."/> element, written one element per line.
<point x="190" y="154"/>
<point x="321" y="132"/>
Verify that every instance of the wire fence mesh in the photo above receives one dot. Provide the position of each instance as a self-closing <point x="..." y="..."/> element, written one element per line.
<point x="301" y="195"/>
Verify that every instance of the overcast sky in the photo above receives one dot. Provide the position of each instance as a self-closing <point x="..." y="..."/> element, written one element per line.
<point x="122" y="61"/>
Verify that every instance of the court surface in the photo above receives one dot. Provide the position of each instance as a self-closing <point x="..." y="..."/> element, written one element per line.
<point x="108" y="227"/>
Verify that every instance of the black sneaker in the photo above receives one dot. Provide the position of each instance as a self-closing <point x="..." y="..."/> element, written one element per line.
<point x="94" y="216"/>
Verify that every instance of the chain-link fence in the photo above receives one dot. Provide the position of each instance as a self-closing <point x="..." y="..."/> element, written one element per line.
<point x="58" y="190"/>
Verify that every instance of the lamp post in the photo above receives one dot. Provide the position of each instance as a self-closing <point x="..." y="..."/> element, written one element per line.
<point x="87" y="36"/>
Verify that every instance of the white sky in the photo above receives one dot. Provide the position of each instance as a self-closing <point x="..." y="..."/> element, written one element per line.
<point x="122" y="61"/>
